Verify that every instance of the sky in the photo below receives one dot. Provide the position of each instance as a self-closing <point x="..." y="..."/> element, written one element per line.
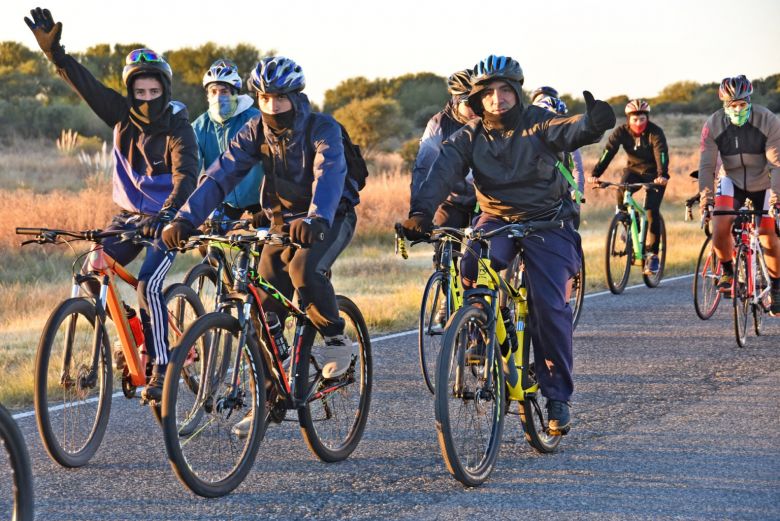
<point x="609" y="47"/>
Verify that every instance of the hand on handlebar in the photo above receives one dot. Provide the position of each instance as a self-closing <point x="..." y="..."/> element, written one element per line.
<point x="175" y="234"/>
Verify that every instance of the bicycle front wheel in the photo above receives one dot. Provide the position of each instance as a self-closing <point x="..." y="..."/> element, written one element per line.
<point x="16" y="481"/>
<point x="209" y="453"/>
<point x="335" y="415"/>
<point x="653" y="280"/>
<point x="706" y="296"/>
<point x="431" y="327"/>
<point x="72" y="402"/>
<point x="619" y="253"/>
<point x="762" y="292"/>
<point x="184" y="307"/>
<point x="469" y="410"/>
<point x="741" y="296"/>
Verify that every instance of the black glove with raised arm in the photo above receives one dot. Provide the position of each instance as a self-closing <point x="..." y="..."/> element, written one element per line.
<point x="153" y="226"/>
<point x="418" y="226"/>
<point x="46" y="32"/>
<point x="600" y="115"/>
<point x="307" y="230"/>
<point x="177" y="232"/>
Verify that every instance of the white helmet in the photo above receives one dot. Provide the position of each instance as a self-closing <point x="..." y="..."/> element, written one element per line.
<point x="223" y="71"/>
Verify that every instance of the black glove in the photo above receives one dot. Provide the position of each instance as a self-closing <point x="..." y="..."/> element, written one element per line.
<point x="417" y="226"/>
<point x="45" y="31"/>
<point x="153" y="226"/>
<point x="600" y="115"/>
<point x="306" y="230"/>
<point x="177" y="232"/>
<point x="260" y="220"/>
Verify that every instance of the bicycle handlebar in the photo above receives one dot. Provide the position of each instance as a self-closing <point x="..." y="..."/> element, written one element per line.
<point x="609" y="184"/>
<point x="740" y="212"/>
<point x="49" y="236"/>
<point x="237" y="239"/>
<point x="514" y="230"/>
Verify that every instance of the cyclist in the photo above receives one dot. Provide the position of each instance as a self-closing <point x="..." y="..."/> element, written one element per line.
<point x="306" y="192"/>
<point x="156" y="168"/>
<point x="510" y="150"/>
<point x="228" y="111"/>
<point x="747" y="136"/>
<point x="648" y="162"/>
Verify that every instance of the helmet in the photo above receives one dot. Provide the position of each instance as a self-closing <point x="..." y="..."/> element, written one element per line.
<point x="736" y="88"/>
<point x="276" y="75"/>
<point x="146" y="61"/>
<point x="543" y="91"/>
<point x="552" y="104"/>
<point x="223" y="71"/>
<point x="459" y="83"/>
<point x="497" y="68"/>
<point x="637" y="106"/>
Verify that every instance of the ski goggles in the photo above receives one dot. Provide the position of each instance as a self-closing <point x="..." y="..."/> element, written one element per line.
<point x="143" y="55"/>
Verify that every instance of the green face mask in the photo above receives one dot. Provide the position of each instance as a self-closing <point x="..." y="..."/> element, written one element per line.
<point x="738" y="117"/>
<point x="221" y="108"/>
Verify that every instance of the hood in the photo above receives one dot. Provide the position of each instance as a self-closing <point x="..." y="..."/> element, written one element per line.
<point x="474" y="95"/>
<point x="302" y="108"/>
<point x="244" y="102"/>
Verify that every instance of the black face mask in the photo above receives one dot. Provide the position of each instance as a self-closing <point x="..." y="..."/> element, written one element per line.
<point x="281" y="121"/>
<point x="149" y="111"/>
<point x="506" y="120"/>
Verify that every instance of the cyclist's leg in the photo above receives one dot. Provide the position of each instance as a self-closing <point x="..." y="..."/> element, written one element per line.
<point x="502" y="249"/>
<point x="727" y="197"/>
<point x="628" y="176"/>
<point x="653" y="198"/>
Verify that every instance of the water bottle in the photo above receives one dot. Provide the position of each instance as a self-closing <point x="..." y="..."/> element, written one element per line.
<point x="135" y="326"/>
<point x="277" y="331"/>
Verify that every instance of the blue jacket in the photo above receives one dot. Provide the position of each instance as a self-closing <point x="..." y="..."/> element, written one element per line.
<point x="213" y="139"/>
<point x="311" y="178"/>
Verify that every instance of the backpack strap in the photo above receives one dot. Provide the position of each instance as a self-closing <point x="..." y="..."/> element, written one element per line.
<point x="543" y="151"/>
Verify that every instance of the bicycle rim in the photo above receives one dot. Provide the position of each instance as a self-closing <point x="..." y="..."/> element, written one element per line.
<point x="430" y="332"/>
<point x="16" y="483"/>
<point x="469" y="415"/>
<point x="741" y="298"/>
<point x="184" y="307"/>
<point x="706" y="296"/>
<point x="618" y="254"/>
<point x="652" y="281"/>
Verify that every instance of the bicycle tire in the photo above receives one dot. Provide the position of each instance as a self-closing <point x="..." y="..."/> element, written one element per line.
<point x="470" y="467"/>
<point x="428" y="340"/>
<point x="619" y="253"/>
<point x="740" y="298"/>
<point x="199" y="467"/>
<point x="202" y="278"/>
<point x="577" y="296"/>
<point x="352" y="400"/>
<point x="706" y="296"/>
<point x="652" y="281"/>
<point x="66" y="452"/>
<point x="21" y="471"/>
<point x="533" y="410"/>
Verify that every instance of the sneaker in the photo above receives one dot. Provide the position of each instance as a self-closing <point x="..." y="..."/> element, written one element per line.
<point x="652" y="264"/>
<point x="335" y="356"/>
<point x="241" y="429"/>
<point x="774" y="308"/>
<point x="559" y="420"/>
<point x="153" y="391"/>
<point x="724" y="284"/>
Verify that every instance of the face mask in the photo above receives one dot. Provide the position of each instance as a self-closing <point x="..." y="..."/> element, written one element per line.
<point x="280" y="121"/>
<point x="736" y="116"/>
<point x="221" y="108"/>
<point x="149" y="111"/>
<point x="637" y="129"/>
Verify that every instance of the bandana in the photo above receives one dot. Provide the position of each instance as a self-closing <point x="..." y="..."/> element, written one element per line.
<point x="736" y="116"/>
<point x="637" y="129"/>
<point x="222" y="108"/>
<point x="280" y="121"/>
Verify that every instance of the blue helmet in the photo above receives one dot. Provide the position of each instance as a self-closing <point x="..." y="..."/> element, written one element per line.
<point x="223" y="71"/>
<point x="277" y="75"/>
<point x="497" y="68"/>
<point x="552" y="104"/>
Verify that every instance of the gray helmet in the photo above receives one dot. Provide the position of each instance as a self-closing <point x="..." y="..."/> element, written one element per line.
<point x="146" y="61"/>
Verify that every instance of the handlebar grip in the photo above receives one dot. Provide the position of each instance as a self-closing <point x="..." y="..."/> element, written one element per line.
<point x="29" y="231"/>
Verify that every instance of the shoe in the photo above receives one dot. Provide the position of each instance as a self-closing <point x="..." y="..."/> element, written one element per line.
<point x="335" y="356"/>
<point x="724" y="284"/>
<point x="241" y="429"/>
<point x="153" y="390"/>
<point x="652" y="264"/>
<point x="559" y="420"/>
<point x="774" y="308"/>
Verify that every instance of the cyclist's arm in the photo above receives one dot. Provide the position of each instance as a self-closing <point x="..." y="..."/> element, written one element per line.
<point x="430" y="145"/>
<point x="708" y="159"/>
<point x="184" y="165"/>
<point x="661" y="152"/>
<point x="612" y="147"/>
<point x="329" y="169"/>
<point x="773" y="154"/>
<point x="200" y="134"/>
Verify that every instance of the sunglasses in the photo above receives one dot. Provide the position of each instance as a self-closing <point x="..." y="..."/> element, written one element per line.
<point x="143" y="55"/>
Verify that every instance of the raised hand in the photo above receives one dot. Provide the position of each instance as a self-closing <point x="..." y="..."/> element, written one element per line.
<point x="600" y="115"/>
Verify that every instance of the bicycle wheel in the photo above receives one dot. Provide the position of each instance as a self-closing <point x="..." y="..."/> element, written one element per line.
<point x="334" y="418"/>
<point x="619" y="253"/>
<point x="706" y="296"/>
<point x="741" y="298"/>
<point x="652" y="281"/>
<point x="577" y="294"/>
<point x="469" y="413"/>
<point x="71" y="405"/>
<point x="204" y="451"/>
<point x="761" y="289"/>
<point x="430" y="330"/>
<point x="16" y="483"/>
<point x="533" y="410"/>
<point x="202" y="278"/>
<point x="184" y="307"/>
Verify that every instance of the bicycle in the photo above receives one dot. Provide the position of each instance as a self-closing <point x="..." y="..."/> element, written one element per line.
<point x="626" y="240"/>
<point x="244" y="372"/>
<point x="477" y="350"/>
<point x="16" y="473"/>
<point x="443" y="295"/>
<point x="750" y="290"/>
<point x="73" y="366"/>
<point x="706" y="296"/>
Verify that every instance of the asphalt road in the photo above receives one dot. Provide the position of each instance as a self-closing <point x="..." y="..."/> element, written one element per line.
<point x="672" y="421"/>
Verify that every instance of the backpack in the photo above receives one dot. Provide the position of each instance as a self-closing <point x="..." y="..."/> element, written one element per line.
<point x="357" y="169"/>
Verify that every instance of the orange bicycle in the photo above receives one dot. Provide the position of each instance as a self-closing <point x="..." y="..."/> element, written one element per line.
<point x="73" y="375"/>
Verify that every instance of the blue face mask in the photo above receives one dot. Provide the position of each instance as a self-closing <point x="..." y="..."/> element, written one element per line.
<point x="736" y="116"/>
<point x="221" y="108"/>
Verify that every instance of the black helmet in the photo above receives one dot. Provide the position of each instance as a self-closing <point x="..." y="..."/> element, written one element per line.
<point x="459" y="83"/>
<point x="146" y="61"/>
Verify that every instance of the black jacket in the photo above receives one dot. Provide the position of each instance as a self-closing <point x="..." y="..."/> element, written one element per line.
<point x="647" y="153"/>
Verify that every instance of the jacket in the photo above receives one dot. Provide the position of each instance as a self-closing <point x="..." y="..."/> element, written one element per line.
<point x="647" y="153"/>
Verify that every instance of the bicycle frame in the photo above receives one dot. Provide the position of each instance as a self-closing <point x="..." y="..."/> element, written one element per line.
<point x="745" y="232"/>
<point x="638" y="231"/>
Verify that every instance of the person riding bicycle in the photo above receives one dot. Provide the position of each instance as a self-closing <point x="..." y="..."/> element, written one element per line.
<point x="547" y="98"/>
<point x="228" y="111"/>
<point x="306" y="192"/>
<point x="511" y="151"/>
<point x="156" y="168"/>
<point x="648" y="162"/>
<point x="747" y="136"/>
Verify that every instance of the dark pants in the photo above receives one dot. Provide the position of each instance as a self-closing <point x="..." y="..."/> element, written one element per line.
<point x="305" y="270"/>
<point x="653" y="198"/>
<point x="552" y="257"/>
<point x="158" y="260"/>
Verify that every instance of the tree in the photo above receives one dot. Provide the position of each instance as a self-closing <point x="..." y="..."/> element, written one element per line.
<point x="681" y="91"/>
<point x="352" y="89"/>
<point x="372" y="121"/>
<point x="418" y="91"/>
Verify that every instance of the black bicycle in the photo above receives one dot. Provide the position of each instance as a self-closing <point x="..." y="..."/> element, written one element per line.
<point x="16" y="482"/>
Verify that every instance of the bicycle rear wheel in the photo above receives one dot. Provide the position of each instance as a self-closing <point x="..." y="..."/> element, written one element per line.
<point x="469" y="413"/>
<point x="430" y="329"/>
<point x="202" y="278"/>
<point x="652" y="281"/>
<point x="619" y="253"/>
<point x="533" y="410"/>
<point x="71" y="404"/>
<point x="577" y="293"/>
<point x="335" y="416"/>
<point x="16" y="483"/>
<point x="706" y="296"/>
<point x="741" y="298"/>
<point x="203" y="449"/>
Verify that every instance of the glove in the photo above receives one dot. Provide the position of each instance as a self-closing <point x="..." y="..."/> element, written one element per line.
<point x="46" y="32"/>
<point x="175" y="235"/>
<point x="600" y="115"/>
<point x="260" y="220"/>
<point x="307" y="230"/>
<point x="417" y="226"/>
<point x="152" y="227"/>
